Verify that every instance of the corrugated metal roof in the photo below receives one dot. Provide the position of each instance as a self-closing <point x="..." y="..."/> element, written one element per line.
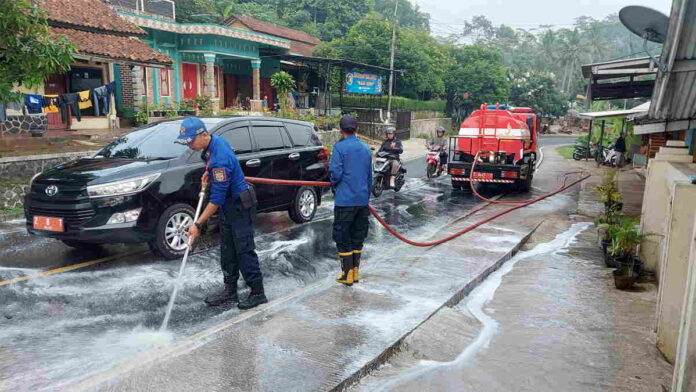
<point x="675" y="90"/>
<point x="611" y="113"/>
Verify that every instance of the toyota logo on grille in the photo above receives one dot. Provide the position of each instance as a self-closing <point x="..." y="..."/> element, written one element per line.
<point x="51" y="190"/>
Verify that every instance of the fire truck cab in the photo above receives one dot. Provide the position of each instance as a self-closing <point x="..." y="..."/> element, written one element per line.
<point x="505" y="139"/>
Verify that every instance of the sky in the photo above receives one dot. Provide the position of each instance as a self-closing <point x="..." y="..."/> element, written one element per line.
<point x="448" y="16"/>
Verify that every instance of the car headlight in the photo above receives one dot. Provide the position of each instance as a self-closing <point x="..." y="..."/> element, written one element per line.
<point x="123" y="187"/>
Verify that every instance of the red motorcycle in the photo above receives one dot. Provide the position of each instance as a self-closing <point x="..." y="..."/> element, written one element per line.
<point x="435" y="167"/>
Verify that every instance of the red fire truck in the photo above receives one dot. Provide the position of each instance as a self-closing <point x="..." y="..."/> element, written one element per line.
<point x="505" y="140"/>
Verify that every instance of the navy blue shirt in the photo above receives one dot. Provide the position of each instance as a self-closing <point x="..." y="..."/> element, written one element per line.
<point x="225" y="174"/>
<point x="351" y="172"/>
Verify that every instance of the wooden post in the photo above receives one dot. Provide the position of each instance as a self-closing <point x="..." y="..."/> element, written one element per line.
<point x="600" y="150"/>
<point x="589" y="140"/>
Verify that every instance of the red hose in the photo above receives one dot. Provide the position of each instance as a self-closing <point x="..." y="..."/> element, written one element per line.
<point x="513" y="202"/>
<point x="256" y="180"/>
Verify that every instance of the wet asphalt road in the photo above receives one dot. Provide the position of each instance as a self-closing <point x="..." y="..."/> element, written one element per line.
<point x="60" y="328"/>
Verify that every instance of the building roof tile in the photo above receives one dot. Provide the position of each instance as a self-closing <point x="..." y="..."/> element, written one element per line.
<point x="273" y="29"/>
<point x="115" y="47"/>
<point x="87" y="15"/>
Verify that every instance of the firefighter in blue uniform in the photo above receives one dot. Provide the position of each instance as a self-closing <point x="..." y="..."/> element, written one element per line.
<point x="228" y="191"/>
<point x="351" y="178"/>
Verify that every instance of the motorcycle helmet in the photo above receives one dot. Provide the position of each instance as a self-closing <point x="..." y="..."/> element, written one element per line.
<point x="440" y="130"/>
<point x="390" y="130"/>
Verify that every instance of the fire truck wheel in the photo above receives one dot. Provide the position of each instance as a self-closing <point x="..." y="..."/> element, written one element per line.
<point x="525" y="185"/>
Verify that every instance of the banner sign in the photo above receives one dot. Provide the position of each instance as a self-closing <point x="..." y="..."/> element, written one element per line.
<point x="363" y="83"/>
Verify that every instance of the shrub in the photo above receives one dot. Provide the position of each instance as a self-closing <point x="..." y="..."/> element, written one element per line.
<point x="398" y="103"/>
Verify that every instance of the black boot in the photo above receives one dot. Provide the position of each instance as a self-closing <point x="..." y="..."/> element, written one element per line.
<point x="228" y="294"/>
<point x="256" y="296"/>
<point x="357" y="254"/>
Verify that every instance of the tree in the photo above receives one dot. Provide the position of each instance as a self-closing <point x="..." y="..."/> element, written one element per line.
<point x="476" y="76"/>
<point x="284" y="84"/>
<point x="29" y="52"/>
<point x="407" y="15"/>
<point x="536" y="89"/>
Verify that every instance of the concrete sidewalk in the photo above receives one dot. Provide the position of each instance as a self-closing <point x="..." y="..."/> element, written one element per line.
<point x="552" y="322"/>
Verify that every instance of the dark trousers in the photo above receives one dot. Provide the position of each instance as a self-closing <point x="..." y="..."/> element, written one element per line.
<point x="237" y="248"/>
<point x="350" y="228"/>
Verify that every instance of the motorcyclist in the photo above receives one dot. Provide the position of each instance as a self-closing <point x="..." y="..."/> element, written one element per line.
<point x="392" y="145"/>
<point x="439" y="142"/>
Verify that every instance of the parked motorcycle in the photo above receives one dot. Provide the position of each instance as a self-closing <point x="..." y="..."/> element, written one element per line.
<point x="582" y="152"/>
<point x="434" y="166"/>
<point x="382" y="174"/>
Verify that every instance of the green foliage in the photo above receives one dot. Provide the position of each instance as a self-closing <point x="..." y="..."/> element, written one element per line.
<point x="28" y="51"/>
<point x="536" y="89"/>
<point x="283" y="83"/>
<point x="140" y="117"/>
<point x="609" y="191"/>
<point x="398" y="103"/>
<point x="423" y="136"/>
<point x="624" y="238"/>
<point x="476" y="76"/>
<point x="205" y="105"/>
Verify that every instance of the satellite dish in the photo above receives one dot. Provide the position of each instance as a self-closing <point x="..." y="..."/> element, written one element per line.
<point x="645" y="22"/>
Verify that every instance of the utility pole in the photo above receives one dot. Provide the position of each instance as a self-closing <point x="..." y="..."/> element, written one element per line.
<point x="391" y="62"/>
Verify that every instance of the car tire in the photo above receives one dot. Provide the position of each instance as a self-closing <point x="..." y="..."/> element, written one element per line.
<point x="170" y="241"/>
<point x="304" y="205"/>
<point x="80" y="244"/>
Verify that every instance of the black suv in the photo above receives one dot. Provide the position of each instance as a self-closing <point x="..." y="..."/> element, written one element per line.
<point x="143" y="187"/>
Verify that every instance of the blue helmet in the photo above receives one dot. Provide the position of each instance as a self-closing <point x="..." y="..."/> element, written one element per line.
<point x="190" y="128"/>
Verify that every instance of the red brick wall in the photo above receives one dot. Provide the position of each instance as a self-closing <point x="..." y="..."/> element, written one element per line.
<point x="126" y="75"/>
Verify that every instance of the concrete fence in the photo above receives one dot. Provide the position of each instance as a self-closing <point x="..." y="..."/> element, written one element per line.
<point x="17" y="171"/>
<point x="669" y="220"/>
<point x="429" y="125"/>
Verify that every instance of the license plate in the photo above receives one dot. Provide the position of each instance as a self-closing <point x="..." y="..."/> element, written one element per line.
<point x="483" y="176"/>
<point x="48" y="224"/>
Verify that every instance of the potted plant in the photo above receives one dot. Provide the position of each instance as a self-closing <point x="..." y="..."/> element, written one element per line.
<point x="625" y="240"/>
<point x="140" y="117"/>
<point x="284" y="84"/>
<point x="609" y="192"/>
<point x="187" y="107"/>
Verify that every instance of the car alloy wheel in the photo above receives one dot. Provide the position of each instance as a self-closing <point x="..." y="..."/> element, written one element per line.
<point x="175" y="233"/>
<point x="307" y="203"/>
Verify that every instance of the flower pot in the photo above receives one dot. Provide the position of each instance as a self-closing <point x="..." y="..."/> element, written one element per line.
<point x="187" y="112"/>
<point x="610" y="261"/>
<point x="605" y="244"/>
<point x="36" y="133"/>
<point x="624" y="278"/>
<point x="627" y="272"/>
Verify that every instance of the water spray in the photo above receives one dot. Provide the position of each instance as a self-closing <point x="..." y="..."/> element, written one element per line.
<point x="189" y="246"/>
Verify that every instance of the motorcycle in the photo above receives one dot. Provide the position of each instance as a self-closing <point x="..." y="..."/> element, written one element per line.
<point x="382" y="174"/>
<point x="582" y="152"/>
<point x="434" y="166"/>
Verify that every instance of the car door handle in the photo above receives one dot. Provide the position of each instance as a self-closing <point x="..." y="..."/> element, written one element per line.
<point x="253" y="163"/>
<point x="294" y="156"/>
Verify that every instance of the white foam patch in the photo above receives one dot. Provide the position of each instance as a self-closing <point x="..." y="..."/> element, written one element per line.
<point x="475" y="303"/>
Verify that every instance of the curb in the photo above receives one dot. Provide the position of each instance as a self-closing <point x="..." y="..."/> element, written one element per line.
<point x="455" y="299"/>
<point x="9" y="217"/>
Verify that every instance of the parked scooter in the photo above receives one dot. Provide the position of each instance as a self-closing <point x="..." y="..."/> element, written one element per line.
<point x="382" y="173"/>
<point x="582" y="152"/>
<point x="434" y="166"/>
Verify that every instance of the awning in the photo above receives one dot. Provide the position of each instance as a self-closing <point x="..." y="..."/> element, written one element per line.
<point x="675" y="89"/>
<point x="642" y="108"/>
<point x="347" y="64"/>
<point x="620" y="79"/>
<point x="108" y="47"/>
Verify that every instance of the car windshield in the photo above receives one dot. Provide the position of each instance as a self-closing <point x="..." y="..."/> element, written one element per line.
<point x="152" y="142"/>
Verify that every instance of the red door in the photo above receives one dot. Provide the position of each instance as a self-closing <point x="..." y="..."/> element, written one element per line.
<point x="55" y="85"/>
<point x="190" y="80"/>
<point x="230" y="90"/>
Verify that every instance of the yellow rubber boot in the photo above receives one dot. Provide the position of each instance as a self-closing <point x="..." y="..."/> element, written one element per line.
<point x="357" y="254"/>
<point x="346" y="276"/>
